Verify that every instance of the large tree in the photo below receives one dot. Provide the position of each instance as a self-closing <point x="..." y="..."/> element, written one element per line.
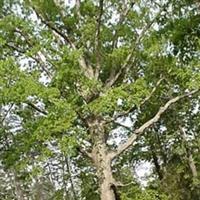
<point x="73" y="74"/>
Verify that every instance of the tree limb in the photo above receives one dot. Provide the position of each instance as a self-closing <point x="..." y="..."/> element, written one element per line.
<point x="124" y="126"/>
<point x="126" y="66"/>
<point x="122" y="17"/>
<point x="36" y="108"/>
<point x="125" y="113"/>
<point x="7" y="112"/>
<point x="149" y="123"/>
<point x="19" y="50"/>
<point x="97" y="40"/>
<point x="84" y="152"/>
<point x="68" y="164"/>
<point x="87" y="69"/>
<point x="78" y="4"/>
<point x="41" y="58"/>
<point x="119" y="184"/>
<point x="152" y="92"/>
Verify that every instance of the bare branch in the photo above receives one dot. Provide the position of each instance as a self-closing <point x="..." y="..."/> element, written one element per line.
<point x="7" y="112"/>
<point x="124" y="126"/>
<point x="51" y="26"/>
<point x="119" y="184"/>
<point x="112" y="79"/>
<point x="41" y="59"/>
<point x="97" y="40"/>
<point x="149" y="123"/>
<point x="152" y="92"/>
<point x="68" y="163"/>
<point x="36" y="108"/>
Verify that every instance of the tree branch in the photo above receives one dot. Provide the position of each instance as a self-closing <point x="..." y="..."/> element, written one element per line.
<point x="122" y="17"/>
<point x="124" y="126"/>
<point x="36" y="108"/>
<point x="68" y="164"/>
<point x="112" y="79"/>
<point x="7" y="112"/>
<point x="87" y="69"/>
<point x="41" y="58"/>
<point x="78" y="4"/>
<point x="149" y="123"/>
<point x="119" y="184"/>
<point x="97" y="40"/>
<point x="19" y="50"/>
<point x="152" y="92"/>
<point x="125" y="113"/>
<point x="84" y="152"/>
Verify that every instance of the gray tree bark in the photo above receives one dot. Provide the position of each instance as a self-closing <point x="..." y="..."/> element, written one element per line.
<point x="102" y="160"/>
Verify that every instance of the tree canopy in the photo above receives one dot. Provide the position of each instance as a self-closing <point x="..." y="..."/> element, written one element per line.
<point x="89" y="89"/>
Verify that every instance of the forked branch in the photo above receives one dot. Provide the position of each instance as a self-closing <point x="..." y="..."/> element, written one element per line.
<point x="149" y="123"/>
<point x="126" y="65"/>
<point x="146" y="99"/>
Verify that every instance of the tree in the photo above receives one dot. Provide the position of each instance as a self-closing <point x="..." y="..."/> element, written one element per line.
<point x="71" y="74"/>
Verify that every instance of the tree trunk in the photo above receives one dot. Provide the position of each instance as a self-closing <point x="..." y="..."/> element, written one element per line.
<point x="104" y="172"/>
<point x="189" y="155"/>
<point x="106" y="189"/>
<point x="102" y="161"/>
<point x="18" y="190"/>
<point x="156" y="163"/>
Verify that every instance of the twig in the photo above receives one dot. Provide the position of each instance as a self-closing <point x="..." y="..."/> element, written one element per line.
<point x="7" y="112"/>
<point x="36" y="108"/>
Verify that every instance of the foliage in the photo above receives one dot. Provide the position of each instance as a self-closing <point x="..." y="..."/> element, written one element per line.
<point x="71" y="77"/>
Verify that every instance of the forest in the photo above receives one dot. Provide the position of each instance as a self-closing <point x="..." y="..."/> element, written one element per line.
<point x="99" y="100"/>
